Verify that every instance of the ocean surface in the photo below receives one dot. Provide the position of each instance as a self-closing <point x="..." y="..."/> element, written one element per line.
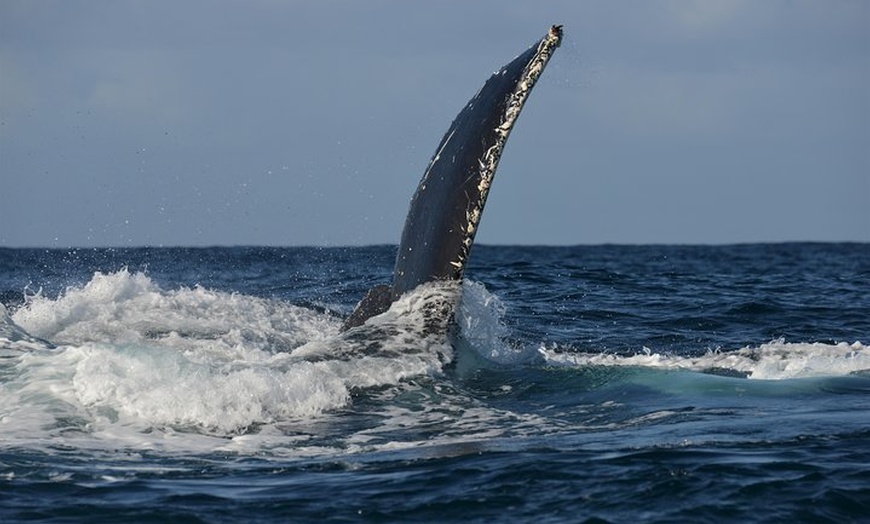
<point x="575" y="384"/>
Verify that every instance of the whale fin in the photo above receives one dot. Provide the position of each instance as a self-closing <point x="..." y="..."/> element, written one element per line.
<point x="446" y="208"/>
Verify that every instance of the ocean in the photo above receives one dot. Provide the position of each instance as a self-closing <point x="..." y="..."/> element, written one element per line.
<point x="620" y="384"/>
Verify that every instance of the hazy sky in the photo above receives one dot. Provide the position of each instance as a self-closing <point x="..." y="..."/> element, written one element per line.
<point x="129" y="123"/>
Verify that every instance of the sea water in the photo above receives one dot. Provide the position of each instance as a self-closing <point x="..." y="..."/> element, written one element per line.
<point x="575" y="384"/>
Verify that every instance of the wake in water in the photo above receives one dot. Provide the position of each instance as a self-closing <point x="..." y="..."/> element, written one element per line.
<point x="121" y="356"/>
<point x="772" y="361"/>
<point x="244" y="393"/>
<point x="130" y="354"/>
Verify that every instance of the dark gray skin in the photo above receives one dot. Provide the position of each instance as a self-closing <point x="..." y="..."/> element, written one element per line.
<point x="447" y="206"/>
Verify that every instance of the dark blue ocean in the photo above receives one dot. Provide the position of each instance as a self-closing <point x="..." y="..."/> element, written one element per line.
<point x="619" y="384"/>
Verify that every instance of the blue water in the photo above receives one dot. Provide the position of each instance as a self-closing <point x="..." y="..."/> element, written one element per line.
<point x="578" y="384"/>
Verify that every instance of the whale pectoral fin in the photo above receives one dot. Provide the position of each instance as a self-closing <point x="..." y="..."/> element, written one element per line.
<point x="376" y="301"/>
<point x="446" y="208"/>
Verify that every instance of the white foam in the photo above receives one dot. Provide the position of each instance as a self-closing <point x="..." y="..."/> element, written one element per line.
<point x="129" y="308"/>
<point x="135" y="364"/>
<point x="775" y="360"/>
<point x="197" y="370"/>
<point x="14" y="339"/>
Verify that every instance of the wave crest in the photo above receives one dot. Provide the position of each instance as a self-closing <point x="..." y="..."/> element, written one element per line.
<point x="775" y="360"/>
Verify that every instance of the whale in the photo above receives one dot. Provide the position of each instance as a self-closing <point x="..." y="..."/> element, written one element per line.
<point x="447" y="206"/>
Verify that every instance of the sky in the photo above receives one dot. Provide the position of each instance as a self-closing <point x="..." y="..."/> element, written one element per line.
<point x="309" y="123"/>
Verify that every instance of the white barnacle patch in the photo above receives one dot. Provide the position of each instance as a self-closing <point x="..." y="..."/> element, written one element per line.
<point x="489" y="161"/>
<point x="473" y="217"/>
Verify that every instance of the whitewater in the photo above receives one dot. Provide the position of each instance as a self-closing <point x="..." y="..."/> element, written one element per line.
<point x="584" y="383"/>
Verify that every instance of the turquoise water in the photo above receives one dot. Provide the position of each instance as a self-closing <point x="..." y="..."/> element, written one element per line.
<point x="578" y="384"/>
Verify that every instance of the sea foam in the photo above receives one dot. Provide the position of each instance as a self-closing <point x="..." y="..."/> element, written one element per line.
<point x="131" y="355"/>
<point x="774" y="360"/>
